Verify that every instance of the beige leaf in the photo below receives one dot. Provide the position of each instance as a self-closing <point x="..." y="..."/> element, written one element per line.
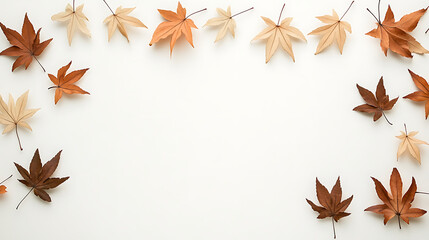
<point x="14" y="114"/>
<point x="76" y="20"/>
<point x="225" y="19"/>
<point x="409" y="142"/>
<point x="279" y="34"/>
<point x="120" y="19"/>
<point x="335" y="29"/>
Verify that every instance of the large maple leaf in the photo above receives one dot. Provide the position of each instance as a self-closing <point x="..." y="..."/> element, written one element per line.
<point x="394" y="35"/>
<point x="26" y="46"/>
<point x="396" y="204"/>
<point x="176" y="24"/>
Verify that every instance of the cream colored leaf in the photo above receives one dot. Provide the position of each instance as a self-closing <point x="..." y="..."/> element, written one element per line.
<point x="226" y="20"/>
<point x="76" y="20"/>
<point x="277" y="35"/>
<point x="335" y="29"/>
<point x="119" y="20"/>
<point x="15" y="114"/>
<point x="408" y="142"/>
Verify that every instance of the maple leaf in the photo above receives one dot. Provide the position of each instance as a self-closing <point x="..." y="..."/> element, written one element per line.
<point x="14" y="114"/>
<point x="39" y="178"/>
<point x="375" y="104"/>
<point x="26" y="46"/>
<point x="279" y="34"/>
<point x="75" y="18"/>
<point x="226" y="20"/>
<point x="335" y="29"/>
<point x="423" y="94"/>
<point x="3" y="187"/>
<point x="332" y="206"/>
<point x="409" y="142"/>
<point x="176" y="24"/>
<point x="119" y="19"/>
<point x="395" y="204"/>
<point x="394" y="35"/>
<point x="66" y="83"/>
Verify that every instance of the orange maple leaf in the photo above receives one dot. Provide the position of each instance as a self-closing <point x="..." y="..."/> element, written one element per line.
<point x="176" y="24"/>
<point x="65" y="83"/>
<point x="394" y="35"/>
<point x="26" y="46"/>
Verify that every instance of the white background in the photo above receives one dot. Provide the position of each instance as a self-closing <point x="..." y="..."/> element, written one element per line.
<point x="211" y="143"/>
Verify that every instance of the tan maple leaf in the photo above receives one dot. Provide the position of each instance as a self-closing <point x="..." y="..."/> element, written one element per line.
<point x="75" y="18"/>
<point x="119" y="19"/>
<point x="14" y="114"/>
<point x="335" y="29"/>
<point x="226" y="20"/>
<point x="410" y="143"/>
<point x="279" y="34"/>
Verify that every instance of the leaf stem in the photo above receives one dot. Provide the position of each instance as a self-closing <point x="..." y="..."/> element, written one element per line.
<point x="278" y="22"/>
<point x="384" y="115"/>
<point x="39" y="63"/>
<point x="73" y="6"/>
<point x="241" y="12"/>
<point x="24" y="198"/>
<point x="374" y="16"/>
<point x="379" y="18"/>
<point x="108" y="7"/>
<point x="347" y="10"/>
<point x="427" y="31"/>
<point x="52" y="87"/>
<point x="6" y="179"/>
<point x="333" y="227"/>
<point x="423" y="193"/>
<point x="399" y="221"/>
<point x="406" y="132"/>
<point x="195" y="13"/>
<point x="17" y="136"/>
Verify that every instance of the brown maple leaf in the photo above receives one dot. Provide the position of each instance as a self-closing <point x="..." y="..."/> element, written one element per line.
<point x="395" y="204"/>
<point x="26" y="46"/>
<point x="423" y="94"/>
<point x="332" y="206"/>
<point x="66" y="83"/>
<point x="176" y="24"/>
<point x="394" y="35"/>
<point x="39" y="178"/>
<point x="375" y="104"/>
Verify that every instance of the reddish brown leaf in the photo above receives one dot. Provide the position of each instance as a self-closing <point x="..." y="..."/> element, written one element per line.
<point x="375" y="104"/>
<point x="395" y="204"/>
<point x="26" y="46"/>
<point x="332" y="206"/>
<point x="39" y="178"/>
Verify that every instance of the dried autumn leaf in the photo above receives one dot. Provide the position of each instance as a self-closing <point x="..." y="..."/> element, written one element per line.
<point x="39" y="178"/>
<point x="3" y="187"/>
<point x="375" y="104"/>
<point x="226" y="20"/>
<point x="335" y="29"/>
<point x="394" y="35"/>
<point x="176" y="24"/>
<point x="423" y="94"/>
<point x="410" y="143"/>
<point x="332" y="206"/>
<point x="395" y="204"/>
<point x="66" y="83"/>
<point x="26" y="46"/>
<point x="119" y="19"/>
<point x="279" y="34"/>
<point x="16" y="114"/>
<point x="75" y="18"/>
